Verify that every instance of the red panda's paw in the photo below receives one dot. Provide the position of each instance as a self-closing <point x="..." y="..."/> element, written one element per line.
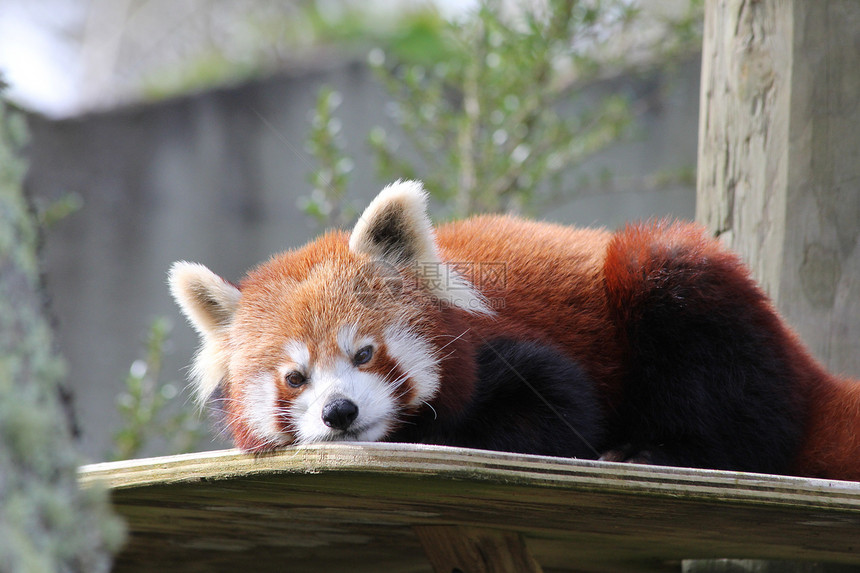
<point x="628" y="454"/>
<point x="613" y="456"/>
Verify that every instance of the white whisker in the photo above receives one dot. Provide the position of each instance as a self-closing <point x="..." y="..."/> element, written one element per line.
<point x="426" y="403"/>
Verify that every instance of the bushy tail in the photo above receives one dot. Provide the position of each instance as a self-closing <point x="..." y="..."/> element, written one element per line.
<point x="714" y="378"/>
<point x="832" y="448"/>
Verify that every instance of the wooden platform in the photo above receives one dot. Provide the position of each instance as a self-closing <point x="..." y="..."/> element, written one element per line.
<point x="377" y="507"/>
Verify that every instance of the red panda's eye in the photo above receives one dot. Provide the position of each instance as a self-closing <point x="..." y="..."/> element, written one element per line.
<point x="363" y="356"/>
<point x="296" y="379"/>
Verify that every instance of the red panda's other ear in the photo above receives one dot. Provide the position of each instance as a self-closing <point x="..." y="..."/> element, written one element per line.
<point x="395" y="228"/>
<point x="209" y="302"/>
<point x="205" y="298"/>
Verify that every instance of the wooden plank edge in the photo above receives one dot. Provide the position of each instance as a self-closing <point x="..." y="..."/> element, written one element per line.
<point x="463" y="463"/>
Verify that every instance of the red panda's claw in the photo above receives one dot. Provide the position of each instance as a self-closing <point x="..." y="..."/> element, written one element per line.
<point x="628" y="454"/>
<point x="619" y="455"/>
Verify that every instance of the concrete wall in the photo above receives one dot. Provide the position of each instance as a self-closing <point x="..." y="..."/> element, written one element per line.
<point x="214" y="178"/>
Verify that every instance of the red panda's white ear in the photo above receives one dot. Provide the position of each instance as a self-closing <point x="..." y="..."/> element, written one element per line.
<point x="209" y="303"/>
<point x="205" y="298"/>
<point x="395" y="228"/>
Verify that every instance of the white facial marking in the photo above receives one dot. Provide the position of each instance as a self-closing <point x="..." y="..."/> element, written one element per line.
<point x="298" y="354"/>
<point x="261" y="410"/>
<point x="417" y="359"/>
<point x="345" y="336"/>
<point x="209" y="368"/>
<point x="460" y="292"/>
<point x="349" y="342"/>
<point x="374" y="395"/>
<point x="368" y="391"/>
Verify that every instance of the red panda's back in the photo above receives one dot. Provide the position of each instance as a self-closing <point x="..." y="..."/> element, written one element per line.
<point x="544" y="281"/>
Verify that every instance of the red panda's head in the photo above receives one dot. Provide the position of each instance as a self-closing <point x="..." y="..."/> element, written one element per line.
<point x="338" y="340"/>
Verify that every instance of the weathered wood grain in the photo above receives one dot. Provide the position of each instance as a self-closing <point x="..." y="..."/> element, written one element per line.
<point x="779" y="158"/>
<point x="355" y="507"/>
<point x="452" y="548"/>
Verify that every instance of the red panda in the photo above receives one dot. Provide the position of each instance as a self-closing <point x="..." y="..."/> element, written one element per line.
<point x="651" y="344"/>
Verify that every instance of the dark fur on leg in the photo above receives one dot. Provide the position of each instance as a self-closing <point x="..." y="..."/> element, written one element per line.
<point x="710" y="382"/>
<point x="529" y="399"/>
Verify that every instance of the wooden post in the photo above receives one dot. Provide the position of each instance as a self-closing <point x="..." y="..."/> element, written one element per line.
<point x="456" y="549"/>
<point x="779" y="158"/>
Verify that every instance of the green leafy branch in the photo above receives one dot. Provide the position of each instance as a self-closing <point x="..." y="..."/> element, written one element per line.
<point x="143" y="405"/>
<point x="326" y="204"/>
<point x="496" y="119"/>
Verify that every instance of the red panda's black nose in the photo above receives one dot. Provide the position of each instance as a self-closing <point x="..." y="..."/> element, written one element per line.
<point x="339" y="414"/>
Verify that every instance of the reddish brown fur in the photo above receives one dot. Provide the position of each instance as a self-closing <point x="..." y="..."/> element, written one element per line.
<point x="833" y="438"/>
<point x="831" y="406"/>
<point x="555" y="291"/>
<point x="283" y="300"/>
<point x="553" y="288"/>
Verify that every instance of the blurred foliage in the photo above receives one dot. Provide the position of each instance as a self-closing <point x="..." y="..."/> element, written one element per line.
<point x="420" y="40"/>
<point x="49" y="213"/>
<point x="144" y="405"/>
<point x="46" y="522"/>
<point x="488" y="105"/>
<point x="199" y="73"/>
<point x="233" y="42"/>
<point x="326" y="204"/>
